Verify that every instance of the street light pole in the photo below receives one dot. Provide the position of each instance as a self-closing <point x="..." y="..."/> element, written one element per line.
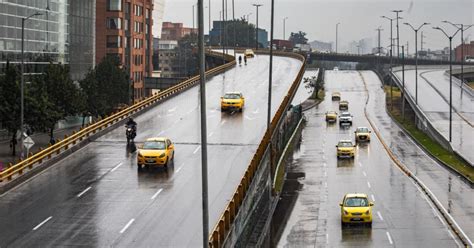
<point x="202" y="76"/>
<point x="398" y="32"/>
<point x="462" y="29"/>
<point x="416" y="56"/>
<point x="193" y="18"/>
<point x="256" y="29"/>
<point x="391" y="61"/>
<point x="403" y="83"/>
<point x="22" y="83"/>
<point x="271" y="67"/>
<point x="284" y="27"/>
<point x="248" y="30"/>
<point x="450" y="79"/>
<point x="337" y="26"/>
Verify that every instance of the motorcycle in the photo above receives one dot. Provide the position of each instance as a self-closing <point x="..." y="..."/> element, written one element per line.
<point x="131" y="133"/>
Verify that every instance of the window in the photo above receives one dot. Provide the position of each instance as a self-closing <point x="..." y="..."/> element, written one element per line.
<point x="147" y="28"/>
<point x="114" y="23"/>
<point x="114" y="41"/>
<point x="138" y="10"/>
<point x="125" y="24"/>
<point x="147" y="13"/>
<point x="114" y="5"/>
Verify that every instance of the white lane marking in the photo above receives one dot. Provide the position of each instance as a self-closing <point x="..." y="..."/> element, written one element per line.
<point x="389" y="238"/>
<point x="42" y="223"/>
<point x="116" y="167"/>
<point x="197" y="149"/>
<point x="324" y="157"/>
<point x="324" y="164"/>
<point x="380" y="215"/>
<point x="365" y="174"/>
<point x="248" y="118"/>
<point x="368" y="184"/>
<point x="360" y="164"/>
<point x="212" y="133"/>
<point x="327" y="238"/>
<point x="172" y="110"/>
<point x="256" y="111"/>
<point x="373" y="198"/>
<point x="325" y="173"/>
<point x="162" y="132"/>
<point x="127" y="226"/>
<point x="177" y="170"/>
<point x="222" y="122"/>
<point x="83" y="192"/>
<point x="325" y="184"/>
<point x="156" y="194"/>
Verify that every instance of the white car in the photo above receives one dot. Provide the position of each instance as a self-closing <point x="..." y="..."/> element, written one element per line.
<point x="345" y="118"/>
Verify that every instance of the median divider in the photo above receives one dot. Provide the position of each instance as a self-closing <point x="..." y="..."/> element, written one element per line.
<point x="90" y="129"/>
<point x="224" y="224"/>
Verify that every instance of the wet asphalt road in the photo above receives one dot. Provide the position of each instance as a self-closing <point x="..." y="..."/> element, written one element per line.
<point x="96" y="197"/>
<point x="433" y="99"/>
<point x="402" y="216"/>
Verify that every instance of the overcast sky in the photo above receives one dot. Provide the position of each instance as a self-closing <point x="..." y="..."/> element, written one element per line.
<point x="358" y="18"/>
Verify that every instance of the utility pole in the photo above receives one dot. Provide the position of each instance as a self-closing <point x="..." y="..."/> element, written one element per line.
<point x="248" y="30"/>
<point x="202" y="92"/>
<point x="403" y="83"/>
<point x="379" y="48"/>
<point x="337" y="26"/>
<point x="234" y="24"/>
<point x="271" y="70"/>
<point x="416" y="56"/>
<point x="256" y="29"/>
<point x="422" y="36"/>
<point x="397" y="12"/>
<point x="209" y="21"/>
<point x="284" y="28"/>
<point x="194" y="27"/>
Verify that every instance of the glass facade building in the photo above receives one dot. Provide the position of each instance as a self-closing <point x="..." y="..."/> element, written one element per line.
<point x="62" y="33"/>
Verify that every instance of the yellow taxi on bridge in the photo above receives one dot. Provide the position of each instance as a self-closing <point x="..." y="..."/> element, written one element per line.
<point x="356" y="208"/>
<point x="336" y="96"/>
<point x="158" y="151"/>
<point x="362" y="134"/>
<point x="345" y="149"/>
<point x="232" y="101"/>
<point x="248" y="53"/>
<point x="343" y="105"/>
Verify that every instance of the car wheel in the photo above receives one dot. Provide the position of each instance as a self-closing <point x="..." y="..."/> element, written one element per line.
<point x="240" y="110"/>
<point x="222" y="109"/>
<point x="369" y="224"/>
<point x="166" y="164"/>
<point x="139" y="167"/>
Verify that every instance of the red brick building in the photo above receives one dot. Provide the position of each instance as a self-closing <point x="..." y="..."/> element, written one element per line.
<point x="124" y="29"/>
<point x="175" y="31"/>
<point x="468" y="51"/>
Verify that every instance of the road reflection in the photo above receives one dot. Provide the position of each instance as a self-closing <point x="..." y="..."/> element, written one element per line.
<point x="356" y="233"/>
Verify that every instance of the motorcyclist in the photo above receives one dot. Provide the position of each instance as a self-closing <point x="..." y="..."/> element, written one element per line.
<point x="240" y="59"/>
<point x="131" y="123"/>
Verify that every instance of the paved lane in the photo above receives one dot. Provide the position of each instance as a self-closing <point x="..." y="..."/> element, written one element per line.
<point x="433" y="99"/>
<point x="97" y="198"/>
<point x="401" y="216"/>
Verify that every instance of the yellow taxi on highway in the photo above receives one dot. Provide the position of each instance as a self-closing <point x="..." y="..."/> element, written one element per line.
<point x="336" y="96"/>
<point x="362" y="134"/>
<point x="248" y="53"/>
<point x="232" y="101"/>
<point x="356" y="208"/>
<point x="157" y="151"/>
<point x="345" y="149"/>
<point x="331" y="116"/>
<point x="343" y="105"/>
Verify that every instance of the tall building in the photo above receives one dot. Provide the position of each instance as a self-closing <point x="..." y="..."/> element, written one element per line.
<point x="468" y="51"/>
<point x="321" y="45"/>
<point x="124" y="30"/>
<point x="175" y="31"/>
<point x="158" y="12"/>
<point x="61" y="32"/>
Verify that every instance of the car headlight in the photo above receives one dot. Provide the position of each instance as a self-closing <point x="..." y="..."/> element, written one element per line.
<point x="345" y="212"/>
<point x="162" y="155"/>
<point x="367" y="212"/>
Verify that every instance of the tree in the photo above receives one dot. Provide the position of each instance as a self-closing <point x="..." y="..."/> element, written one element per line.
<point x="298" y="38"/>
<point x="187" y="60"/>
<point x="105" y="87"/>
<point x="244" y="34"/>
<point x="10" y="101"/>
<point x="62" y="93"/>
<point x="316" y="83"/>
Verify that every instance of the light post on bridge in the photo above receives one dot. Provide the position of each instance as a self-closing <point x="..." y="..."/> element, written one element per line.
<point x="462" y="28"/>
<point x="337" y="27"/>
<point x="391" y="55"/>
<point x="256" y="28"/>
<point x="248" y="31"/>
<point x="397" y="12"/>
<point x="450" y="79"/>
<point x="416" y="56"/>
<point x="22" y="81"/>
<point x="284" y="27"/>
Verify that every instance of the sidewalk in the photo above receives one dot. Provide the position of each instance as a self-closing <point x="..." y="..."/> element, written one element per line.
<point x="40" y="139"/>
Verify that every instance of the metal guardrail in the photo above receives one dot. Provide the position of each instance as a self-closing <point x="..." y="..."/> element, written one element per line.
<point x="93" y="128"/>
<point x="224" y="224"/>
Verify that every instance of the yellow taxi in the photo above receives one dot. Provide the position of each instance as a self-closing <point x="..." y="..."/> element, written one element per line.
<point x="356" y="208"/>
<point x="232" y="101"/>
<point x="331" y="116"/>
<point x="343" y="105"/>
<point x="157" y="151"/>
<point x="362" y="134"/>
<point x="336" y="96"/>
<point x="248" y="53"/>
<point x="345" y="149"/>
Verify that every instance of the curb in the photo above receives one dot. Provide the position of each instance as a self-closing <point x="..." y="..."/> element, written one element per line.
<point x="446" y="216"/>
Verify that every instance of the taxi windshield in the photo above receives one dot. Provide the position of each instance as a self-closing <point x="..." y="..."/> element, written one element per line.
<point x="356" y="202"/>
<point x="345" y="144"/>
<point x="154" y="145"/>
<point x="231" y="96"/>
<point x="363" y="130"/>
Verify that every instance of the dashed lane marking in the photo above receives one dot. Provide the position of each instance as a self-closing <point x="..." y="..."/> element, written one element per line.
<point x="389" y="238"/>
<point x="84" y="191"/>
<point x="368" y="184"/>
<point x="127" y="226"/>
<point x="380" y="215"/>
<point x="373" y="197"/>
<point x="42" y="223"/>
<point x="156" y="194"/>
<point x="197" y="149"/>
<point x="116" y="167"/>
